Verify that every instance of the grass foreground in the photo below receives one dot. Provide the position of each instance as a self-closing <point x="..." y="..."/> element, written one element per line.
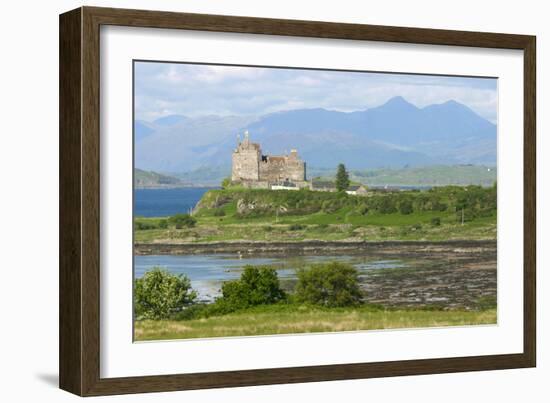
<point x="289" y="319"/>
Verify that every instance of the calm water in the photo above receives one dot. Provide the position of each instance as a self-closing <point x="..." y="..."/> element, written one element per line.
<point x="166" y="202"/>
<point x="207" y="272"/>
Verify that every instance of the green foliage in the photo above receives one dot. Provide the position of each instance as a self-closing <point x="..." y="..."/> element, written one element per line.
<point x="387" y="205"/>
<point x="163" y="224"/>
<point x="406" y="206"/>
<point x="296" y="227"/>
<point x="182" y="220"/>
<point x="257" y="286"/>
<point x="392" y="209"/>
<point x="226" y="182"/>
<point x="435" y="221"/>
<point x="142" y="225"/>
<point x="219" y="212"/>
<point x="159" y="294"/>
<point x="332" y="284"/>
<point x="342" y="178"/>
<point x="363" y="209"/>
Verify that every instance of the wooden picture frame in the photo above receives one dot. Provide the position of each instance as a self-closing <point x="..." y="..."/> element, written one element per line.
<point x="79" y="348"/>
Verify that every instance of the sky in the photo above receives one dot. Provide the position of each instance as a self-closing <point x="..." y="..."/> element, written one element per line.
<point x="193" y="90"/>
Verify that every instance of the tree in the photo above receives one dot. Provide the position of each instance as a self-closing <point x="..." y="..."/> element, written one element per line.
<point x="159" y="294"/>
<point x="342" y="178"/>
<point x="257" y="286"/>
<point x="332" y="284"/>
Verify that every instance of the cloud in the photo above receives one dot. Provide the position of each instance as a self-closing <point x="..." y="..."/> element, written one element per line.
<point x="195" y="90"/>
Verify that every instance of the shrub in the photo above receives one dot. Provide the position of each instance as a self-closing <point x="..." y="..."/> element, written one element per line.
<point x="363" y="209"/>
<point x="182" y="220"/>
<point x="387" y="205"/>
<point x="219" y="212"/>
<point x="163" y="224"/>
<point x="296" y="227"/>
<point x="143" y="225"/>
<point x="436" y="221"/>
<point x="159" y="294"/>
<point x="416" y="226"/>
<point x="226" y="183"/>
<point x="257" y="286"/>
<point x="332" y="284"/>
<point x="406" y="207"/>
<point x="439" y="206"/>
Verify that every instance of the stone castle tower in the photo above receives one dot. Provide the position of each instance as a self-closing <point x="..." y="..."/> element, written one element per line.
<point x="253" y="169"/>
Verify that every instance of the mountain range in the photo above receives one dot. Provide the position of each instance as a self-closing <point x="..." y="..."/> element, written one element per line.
<point x="395" y="134"/>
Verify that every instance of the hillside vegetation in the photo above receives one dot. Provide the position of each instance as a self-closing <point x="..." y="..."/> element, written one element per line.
<point x="443" y="213"/>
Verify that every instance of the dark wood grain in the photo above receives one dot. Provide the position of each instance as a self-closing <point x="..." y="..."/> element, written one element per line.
<point x="530" y="202"/>
<point x="70" y="271"/>
<point x="80" y="200"/>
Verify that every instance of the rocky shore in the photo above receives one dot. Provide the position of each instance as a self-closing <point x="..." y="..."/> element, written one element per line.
<point x="403" y="248"/>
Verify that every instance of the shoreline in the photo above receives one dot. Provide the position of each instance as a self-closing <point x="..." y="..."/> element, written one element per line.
<point x="318" y="247"/>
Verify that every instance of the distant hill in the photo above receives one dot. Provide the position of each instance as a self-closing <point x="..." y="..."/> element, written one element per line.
<point x="435" y="175"/>
<point x="438" y="175"/>
<point x="393" y="135"/>
<point x="146" y="179"/>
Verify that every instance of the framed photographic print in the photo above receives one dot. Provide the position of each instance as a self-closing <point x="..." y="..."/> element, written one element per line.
<point x="249" y="201"/>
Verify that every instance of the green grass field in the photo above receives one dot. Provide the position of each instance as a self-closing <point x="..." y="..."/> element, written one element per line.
<point x="320" y="226"/>
<point x="288" y="319"/>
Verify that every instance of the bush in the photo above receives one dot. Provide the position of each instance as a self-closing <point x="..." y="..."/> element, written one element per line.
<point x="436" y="221"/>
<point x="143" y="225"/>
<point x="406" y="207"/>
<point x="159" y="294"/>
<point x="219" y="212"/>
<point x="296" y="227"/>
<point x="182" y="220"/>
<point x="332" y="284"/>
<point x="163" y="224"/>
<point x="439" y="206"/>
<point x="363" y="209"/>
<point x="257" y="286"/>
<point x="387" y="205"/>
<point x="226" y="183"/>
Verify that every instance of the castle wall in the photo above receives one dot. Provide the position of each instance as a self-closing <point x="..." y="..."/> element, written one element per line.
<point x="249" y="165"/>
<point x="245" y="165"/>
<point x="278" y="169"/>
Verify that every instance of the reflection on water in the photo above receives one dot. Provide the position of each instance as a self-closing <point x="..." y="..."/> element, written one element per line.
<point x="207" y="272"/>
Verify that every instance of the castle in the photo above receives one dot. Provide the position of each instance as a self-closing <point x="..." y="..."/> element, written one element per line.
<point x="253" y="169"/>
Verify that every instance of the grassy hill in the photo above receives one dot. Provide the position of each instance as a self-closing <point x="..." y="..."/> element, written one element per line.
<point x="240" y="214"/>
